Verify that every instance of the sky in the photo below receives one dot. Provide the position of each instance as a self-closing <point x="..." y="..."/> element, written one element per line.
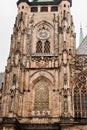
<point x="8" y="12"/>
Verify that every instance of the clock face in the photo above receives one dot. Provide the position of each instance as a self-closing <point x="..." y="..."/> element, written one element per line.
<point x="43" y="34"/>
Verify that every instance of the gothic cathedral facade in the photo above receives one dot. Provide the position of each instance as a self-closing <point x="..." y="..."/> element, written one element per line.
<point x="45" y="80"/>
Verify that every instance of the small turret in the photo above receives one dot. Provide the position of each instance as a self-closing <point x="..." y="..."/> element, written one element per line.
<point x="20" y="1"/>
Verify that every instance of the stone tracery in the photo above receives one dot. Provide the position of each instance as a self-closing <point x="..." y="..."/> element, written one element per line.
<point x="80" y="98"/>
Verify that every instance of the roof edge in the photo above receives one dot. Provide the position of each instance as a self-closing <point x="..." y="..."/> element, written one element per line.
<point x="55" y="2"/>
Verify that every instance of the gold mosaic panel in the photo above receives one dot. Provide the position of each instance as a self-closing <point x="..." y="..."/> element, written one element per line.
<point x="41" y="96"/>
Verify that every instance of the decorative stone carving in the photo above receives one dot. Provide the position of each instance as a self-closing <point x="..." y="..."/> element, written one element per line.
<point x="41" y="113"/>
<point x="65" y="57"/>
<point x="81" y="62"/>
<point x="42" y="63"/>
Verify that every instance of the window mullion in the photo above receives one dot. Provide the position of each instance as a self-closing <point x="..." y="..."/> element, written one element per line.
<point x="43" y="47"/>
<point x="81" y="103"/>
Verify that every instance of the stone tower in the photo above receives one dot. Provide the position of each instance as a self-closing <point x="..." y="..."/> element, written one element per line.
<point x="37" y="90"/>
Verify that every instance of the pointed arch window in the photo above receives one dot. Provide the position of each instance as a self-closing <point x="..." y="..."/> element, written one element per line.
<point x="41" y="96"/>
<point x="80" y="102"/>
<point x="83" y="98"/>
<point x="39" y="47"/>
<point x="47" y="47"/>
<point x="43" y="47"/>
<point x="76" y="99"/>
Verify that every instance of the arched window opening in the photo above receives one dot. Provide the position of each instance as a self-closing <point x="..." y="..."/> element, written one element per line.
<point x="41" y="96"/>
<point x="77" y="102"/>
<point x="39" y="47"/>
<point x="80" y="102"/>
<point x="43" y="47"/>
<point x="47" y="47"/>
<point x="64" y="5"/>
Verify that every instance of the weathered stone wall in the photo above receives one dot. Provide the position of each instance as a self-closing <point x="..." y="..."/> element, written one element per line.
<point x="29" y="74"/>
<point x="78" y="127"/>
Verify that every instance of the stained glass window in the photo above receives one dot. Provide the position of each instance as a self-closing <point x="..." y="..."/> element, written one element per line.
<point x="80" y="102"/>
<point x="41" y="96"/>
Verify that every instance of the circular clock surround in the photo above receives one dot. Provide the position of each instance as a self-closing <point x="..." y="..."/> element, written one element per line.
<point x="43" y="34"/>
